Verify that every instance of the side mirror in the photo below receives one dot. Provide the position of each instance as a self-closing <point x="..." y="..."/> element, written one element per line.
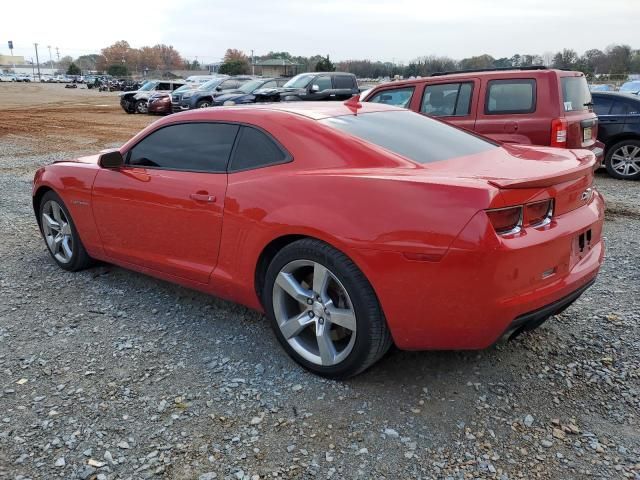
<point x="218" y="89"/>
<point x="111" y="160"/>
<point x="315" y="88"/>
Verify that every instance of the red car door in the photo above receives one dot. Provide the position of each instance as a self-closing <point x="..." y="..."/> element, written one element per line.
<point x="163" y="209"/>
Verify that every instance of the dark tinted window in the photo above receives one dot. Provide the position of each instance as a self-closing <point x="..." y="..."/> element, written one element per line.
<point x="448" y="100"/>
<point x="323" y="82"/>
<point x="343" y="81"/>
<point x="400" y="97"/>
<point x="411" y="135"/>
<point x="188" y="146"/>
<point x="575" y="94"/>
<point x="164" y="86"/>
<point x="602" y="105"/>
<point x="619" y="108"/>
<point x="511" y="96"/>
<point x="256" y="149"/>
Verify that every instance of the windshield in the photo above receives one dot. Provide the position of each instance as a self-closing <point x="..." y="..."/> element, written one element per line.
<point x="299" y="81"/>
<point x="575" y="94"/>
<point x="411" y="135"/>
<point x="211" y="84"/>
<point x="182" y="88"/>
<point x="251" y="86"/>
<point x="147" y="86"/>
<point x="630" y="87"/>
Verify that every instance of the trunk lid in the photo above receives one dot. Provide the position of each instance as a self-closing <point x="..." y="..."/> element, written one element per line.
<point x="526" y="173"/>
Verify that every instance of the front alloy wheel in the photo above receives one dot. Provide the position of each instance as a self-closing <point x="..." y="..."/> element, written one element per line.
<point x="57" y="231"/>
<point x="323" y="310"/>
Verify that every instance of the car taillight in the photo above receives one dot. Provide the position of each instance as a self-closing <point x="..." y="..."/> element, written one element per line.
<point x="559" y="132"/>
<point x="506" y="221"/>
<point x="538" y="213"/>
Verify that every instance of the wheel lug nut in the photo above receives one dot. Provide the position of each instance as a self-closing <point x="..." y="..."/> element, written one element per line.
<point x="309" y="301"/>
<point x="321" y="320"/>
<point x="311" y="315"/>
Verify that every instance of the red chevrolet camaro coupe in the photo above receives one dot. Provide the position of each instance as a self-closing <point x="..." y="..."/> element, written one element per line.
<point x="352" y="226"/>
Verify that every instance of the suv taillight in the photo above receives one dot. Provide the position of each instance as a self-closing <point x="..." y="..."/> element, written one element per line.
<point x="559" y="132"/>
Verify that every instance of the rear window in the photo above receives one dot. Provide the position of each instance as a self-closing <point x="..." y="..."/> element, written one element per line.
<point x="575" y="94"/>
<point x="411" y="135"/>
<point x="399" y="97"/>
<point x="511" y="96"/>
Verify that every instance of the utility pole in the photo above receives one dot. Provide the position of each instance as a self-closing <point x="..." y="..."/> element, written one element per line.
<point x="37" y="62"/>
<point x="50" y="59"/>
<point x="33" y="68"/>
<point x="58" y="53"/>
<point x="253" y="64"/>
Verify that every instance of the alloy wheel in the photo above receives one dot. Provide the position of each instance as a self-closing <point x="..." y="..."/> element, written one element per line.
<point x="142" y="107"/>
<point x="314" y="312"/>
<point x="57" y="231"/>
<point x="626" y="160"/>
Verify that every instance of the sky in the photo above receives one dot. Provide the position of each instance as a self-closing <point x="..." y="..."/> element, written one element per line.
<point x="388" y="30"/>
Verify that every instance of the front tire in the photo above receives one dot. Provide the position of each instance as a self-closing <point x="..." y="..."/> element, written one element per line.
<point x="203" y="104"/>
<point x="141" y="106"/>
<point x="60" y="234"/>
<point x="623" y="160"/>
<point x="324" y="311"/>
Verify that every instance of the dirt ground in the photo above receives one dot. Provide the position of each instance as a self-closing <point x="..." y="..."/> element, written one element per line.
<point x="107" y="374"/>
<point x="53" y="117"/>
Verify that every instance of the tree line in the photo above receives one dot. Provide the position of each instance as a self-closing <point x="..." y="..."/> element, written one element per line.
<point x="120" y="59"/>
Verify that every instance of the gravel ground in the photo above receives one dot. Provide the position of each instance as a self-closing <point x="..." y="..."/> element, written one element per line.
<point x="109" y="374"/>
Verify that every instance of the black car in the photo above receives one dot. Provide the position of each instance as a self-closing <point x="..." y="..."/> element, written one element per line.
<point x="247" y="93"/>
<point x="203" y="96"/>
<point x="315" y="86"/>
<point x="619" y="129"/>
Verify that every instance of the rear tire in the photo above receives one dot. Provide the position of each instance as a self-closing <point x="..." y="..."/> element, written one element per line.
<point x="60" y="234"/>
<point x="622" y="160"/>
<point x="324" y="311"/>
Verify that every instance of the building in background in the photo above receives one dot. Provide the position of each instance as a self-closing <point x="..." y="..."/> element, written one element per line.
<point x="277" y="67"/>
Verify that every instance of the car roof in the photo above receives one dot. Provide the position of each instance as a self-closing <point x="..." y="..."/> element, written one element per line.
<point x="515" y="73"/>
<point x="628" y="96"/>
<point x="312" y="110"/>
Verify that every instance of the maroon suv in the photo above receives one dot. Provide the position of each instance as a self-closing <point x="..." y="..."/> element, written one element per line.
<point x="530" y="105"/>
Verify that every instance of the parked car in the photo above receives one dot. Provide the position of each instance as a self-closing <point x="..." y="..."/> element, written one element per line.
<point x="632" y="87"/>
<point x="315" y="86"/>
<point x="602" y="88"/>
<point x="353" y="226"/>
<point x="23" y="77"/>
<point x="160" y="102"/>
<point x="136" y="101"/>
<point x="248" y="92"/>
<point x="619" y="130"/>
<point x="202" y="97"/>
<point x="194" y="81"/>
<point x="533" y="105"/>
<point x="7" y="77"/>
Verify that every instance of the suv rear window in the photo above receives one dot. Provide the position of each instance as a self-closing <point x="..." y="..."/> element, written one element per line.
<point x="575" y="94"/>
<point x="411" y="135"/>
<point x="343" y="81"/>
<point x="511" y="96"/>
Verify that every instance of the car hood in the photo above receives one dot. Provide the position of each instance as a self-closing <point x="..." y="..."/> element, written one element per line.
<point x="231" y="96"/>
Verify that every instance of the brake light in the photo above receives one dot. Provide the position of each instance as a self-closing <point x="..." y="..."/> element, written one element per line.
<point x="559" y="132"/>
<point x="538" y="213"/>
<point x="507" y="220"/>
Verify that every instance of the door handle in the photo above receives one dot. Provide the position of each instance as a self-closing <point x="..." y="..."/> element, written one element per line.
<point x="202" y="197"/>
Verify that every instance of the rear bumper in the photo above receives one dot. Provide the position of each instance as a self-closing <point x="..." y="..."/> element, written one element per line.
<point x="472" y="296"/>
<point x="598" y="151"/>
<point x="532" y="320"/>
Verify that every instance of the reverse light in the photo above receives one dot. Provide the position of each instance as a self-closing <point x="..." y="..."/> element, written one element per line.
<point x="506" y="221"/>
<point x="538" y="214"/>
<point x="559" y="132"/>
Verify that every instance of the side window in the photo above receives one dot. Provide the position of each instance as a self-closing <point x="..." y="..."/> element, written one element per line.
<point x="256" y="149"/>
<point x="163" y="86"/>
<point x="281" y="81"/>
<point x="510" y="96"/>
<point x="400" y="97"/>
<point x="619" y="108"/>
<point x="201" y="147"/>
<point x="343" y="81"/>
<point x="229" y="84"/>
<point x="323" y="82"/>
<point x="447" y="100"/>
<point x="176" y="85"/>
<point x="602" y="105"/>
<point x="271" y="84"/>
